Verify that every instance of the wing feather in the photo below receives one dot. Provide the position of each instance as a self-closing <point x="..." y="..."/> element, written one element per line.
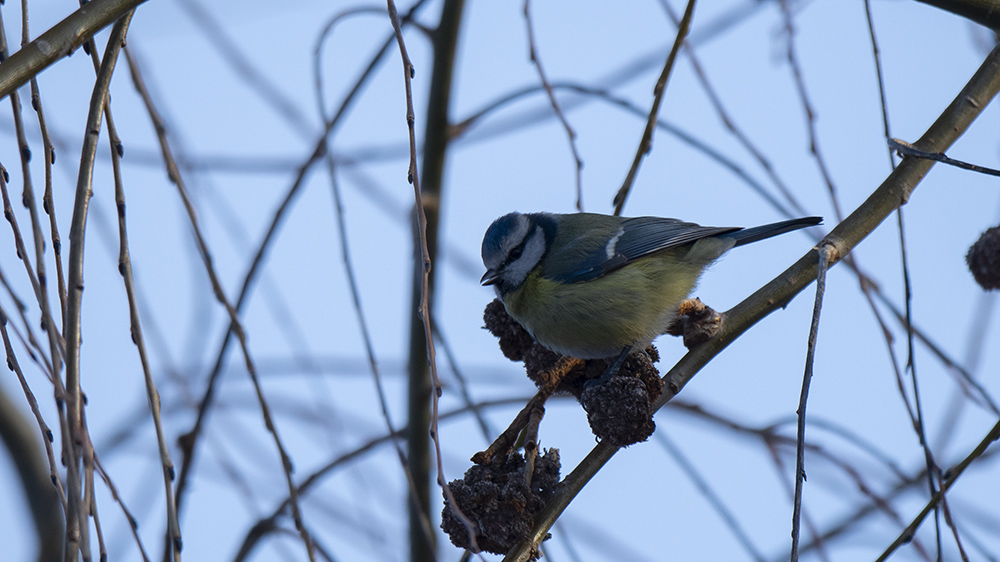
<point x="592" y="255"/>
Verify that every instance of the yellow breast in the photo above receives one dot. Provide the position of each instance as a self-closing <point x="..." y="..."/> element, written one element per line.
<point x="597" y="318"/>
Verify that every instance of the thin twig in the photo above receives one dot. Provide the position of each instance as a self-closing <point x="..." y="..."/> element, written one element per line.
<point x="809" y="523"/>
<point x="113" y="490"/>
<point x="424" y="383"/>
<point x="340" y="221"/>
<point x="90" y="504"/>
<point x="949" y="477"/>
<point x="234" y="319"/>
<point x="76" y="527"/>
<point x="49" y="325"/>
<point x="800" y="85"/>
<point x="48" y="206"/>
<point x="452" y="11"/>
<point x="27" y="199"/>
<point x="906" y="149"/>
<point x="60" y="41"/>
<point x="730" y="124"/>
<point x="919" y="427"/>
<point x="269" y="524"/>
<point x="190" y="440"/>
<point x="877" y="57"/>
<point x="646" y="143"/>
<point x="950" y="521"/>
<point x="152" y="395"/>
<point x="827" y="256"/>
<point x="570" y="133"/>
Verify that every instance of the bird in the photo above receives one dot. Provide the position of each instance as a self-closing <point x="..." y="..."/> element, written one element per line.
<point x="594" y="286"/>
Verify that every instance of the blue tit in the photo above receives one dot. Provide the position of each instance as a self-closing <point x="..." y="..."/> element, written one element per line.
<point x="587" y="285"/>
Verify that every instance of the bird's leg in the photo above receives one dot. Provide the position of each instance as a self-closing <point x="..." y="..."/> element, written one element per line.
<point x="612" y="369"/>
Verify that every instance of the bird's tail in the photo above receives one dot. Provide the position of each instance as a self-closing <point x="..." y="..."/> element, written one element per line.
<point x="748" y="235"/>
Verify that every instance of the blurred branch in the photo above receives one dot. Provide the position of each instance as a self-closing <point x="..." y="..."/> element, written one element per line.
<point x="189" y="441"/>
<point x="270" y="524"/>
<point x="983" y="12"/>
<point x="40" y="492"/>
<point x="256" y="80"/>
<point x="60" y="41"/>
<point x="774" y="439"/>
<point x="919" y="423"/>
<point x="950" y="477"/>
<point x="348" y="262"/>
<point x="173" y="542"/>
<point x="792" y="58"/>
<point x="235" y="325"/>
<point x="894" y="191"/>
<point x="711" y="496"/>
<point x="729" y="121"/>
<point x="422" y="421"/>
<point x="570" y="133"/>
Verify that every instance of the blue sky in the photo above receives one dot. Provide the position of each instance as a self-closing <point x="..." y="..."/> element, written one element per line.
<point x="242" y="155"/>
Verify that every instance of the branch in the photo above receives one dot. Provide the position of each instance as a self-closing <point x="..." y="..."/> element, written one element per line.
<point x="827" y="256"/>
<point x="949" y="478"/>
<point x="75" y="443"/>
<point x="892" y="193"/>
<point x="983" y="12"/>
<point x="28" y="458"/>
<point x="60" y="41"/>
<point x="424" y="387"/>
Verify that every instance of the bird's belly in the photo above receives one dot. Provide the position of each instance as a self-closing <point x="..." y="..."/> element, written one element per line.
<point x="596" y="319"/>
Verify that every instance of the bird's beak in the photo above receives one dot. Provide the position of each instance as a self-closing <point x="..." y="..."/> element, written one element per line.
<point x="491" y="277"/>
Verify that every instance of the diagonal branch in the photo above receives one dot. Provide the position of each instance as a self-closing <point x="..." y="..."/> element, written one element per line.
<point x="60" y="41"/>
<point x="894" y="191"/>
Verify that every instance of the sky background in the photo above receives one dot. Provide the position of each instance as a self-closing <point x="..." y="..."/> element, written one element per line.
<point x="239" y="155"/>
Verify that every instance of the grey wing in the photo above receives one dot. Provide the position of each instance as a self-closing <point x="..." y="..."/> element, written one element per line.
<point x="645" y="235"/>
<point x="637" y="237"/>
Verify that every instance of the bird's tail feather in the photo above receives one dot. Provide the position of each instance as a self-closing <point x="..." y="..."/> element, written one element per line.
<point x="748" y="235"/>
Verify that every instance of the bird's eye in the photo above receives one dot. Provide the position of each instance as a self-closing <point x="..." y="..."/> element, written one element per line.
<point x="515" y="253"/>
